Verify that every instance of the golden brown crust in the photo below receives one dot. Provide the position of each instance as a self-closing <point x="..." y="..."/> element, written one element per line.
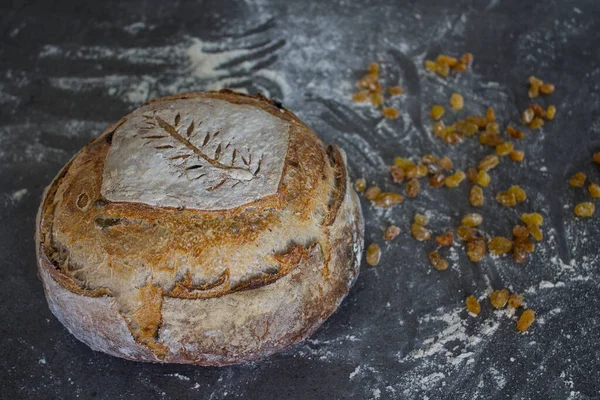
<point x="143" y="255"/>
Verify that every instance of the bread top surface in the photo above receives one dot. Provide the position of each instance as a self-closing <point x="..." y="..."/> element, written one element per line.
<point x="102" y="239"/>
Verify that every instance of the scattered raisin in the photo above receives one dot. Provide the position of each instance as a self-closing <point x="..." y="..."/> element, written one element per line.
<point x="535" y="232"/>
<point x="437" y="180"/>
<point x="421" y="219"/>
<point x="472" y="220"/>
<point x="455" y="179"/>
<point x="499" y="298"/>
<point x="594" y="190"/>
<point x="377" y="99"/>
<point x="525" y="320"/>
<point x="538" y="110"/>
<point x="476" y="250"/>
<point x="527" y="116"/>
<point x="507" y="199"/>
<point x="445" y="239"/>
<point x="532" y="219"/>
<point x="504" y="149"/>
<point x="446" y="163"/>
<point x="516" y="155"/>
<point x="416" y="171"/>
<point x="473" y="305"/>
<point x="596" y="158"/>
<point x="429" y="159"/>
<point x="388" y="199"/>
<point x="412" y="188"/>
<point x="419" y="232"/>
<point x="373" y="254"/>
<point x="390" y="112"/>
<point x="448" y="60"/>
<point x="550" y="112"/>
<point x="403" y="163"/>
<point x="483" y="178"/>
<point x="585" y="209"/>
<point x="362" y="96"/>
<point x="519" y="254"/>
<point x="456" y="101"/>
<point x="488" y="162"/>
<point x="547" y="88"/>
<point x="536" y="123"/>
<point x="437" y="111"/>
<point x="519" y="193"/>
<point x="578" y="180"/>
<point x="360" y="185"/>
<point x="490" y="115"/>
<point x="515" y="300"/>
<point x="397" y="174"/>
<point x="468" y="234"/>
<point x="438" y="262"/>
<point x="395" y="90"/>
<point x="476" y="196"/>
<point x="499" y="245"/>
<point x="372" y="193"/>
<point x="490" y="139"/>
<point x="391" y="232"/>
<point x="514" y="133"/>
<point x="430" y="65"/>
<point x="520" y="232"/>
<point x="472" y="174"/>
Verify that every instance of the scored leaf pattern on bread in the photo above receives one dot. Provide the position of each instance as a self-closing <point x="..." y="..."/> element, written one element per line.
<point x="188" y="150"/>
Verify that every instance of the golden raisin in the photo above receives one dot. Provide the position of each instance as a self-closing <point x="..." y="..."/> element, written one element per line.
<point x="515" y="300"/>
<point x="442" y="69"/>
<point x="481" y="122"/>
<point x="585" y="209"/>
<point x="397" y="174"/>
<point x="377" y="99"/>
<point x="578" y="180"/>
<point x="372" y="193"/>
<point x="374" y="68"/>
<point x="437" y="112"/>
<point x="490" y="115"/>
<point x="519" y="193"/>
<point x="596" y="158"/>
<point x="490" y="139"/>
<point x="437" y="180"/>
<point x="444" y="59"/>
<point x="550" y="112"/>
<point x="373" y="254"/>
<point x="467" y="58"/>
<point x="430" y="65"/>
<point x="445" y="239"/>
<point x="367" y="81"/>
<point x="534" y="91"/>
<point x="525" y="320"/>
<point x="499" y="245"/>
<point x="535" y="232"/>
<point x="468" y="234"/>
<point x="499" y="298"/>
<point x="476" y="196"/>
<point x="532" y="219"/>
<point x="390" y="112"/>
<point x="361" y="96"/>
<point x="429" y="159"/>
<point x="504" y="148"/>
<point x="416" y="171"/>
<point x="473" y="305"/>
<point x="455" y="179"/>
<point x="460" y="67"/>
<point x="483" y="178"/>
<point x="535" y="81"/>
<point x="388" y="199"/>
<point x="514" y="133"/>
<point x="438" y="262"/>
<point x="412" y="188"/>
<point x="538" y="110"/>
<point x="421" y="219"/>
<point x="536" y="123"/>
<point x="403" y="163"/>
<point x="456" y="101"/>
<point x="594" y="190"/>
<point x="476" y="250"/>
<point x="446" y="163"/>
<point x="517" y="155"/>
<point x="525" y="244"/>
<point x="472" y="220"/>
<point x="488" y="162"/>
<point x="395" y="90"/>
<point x="360" y="185"/>
<point x="519" y="254"/>
<point x="419" y="232"/>
<point x="547" y="88"/>
<point x="527" y="116"/>
<point x="507" y="199"/>
<point x="472" y="174"/>
<point x="391" y="232"/>
<point x="520" y="232"/>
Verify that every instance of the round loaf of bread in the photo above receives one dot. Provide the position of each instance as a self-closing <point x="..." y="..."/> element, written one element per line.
<point x="204" y="228"/>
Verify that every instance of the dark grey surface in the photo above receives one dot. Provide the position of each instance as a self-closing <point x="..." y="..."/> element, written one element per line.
<point x="68" y="69"/>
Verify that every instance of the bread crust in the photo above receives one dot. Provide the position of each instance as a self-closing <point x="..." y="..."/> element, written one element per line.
<point x="307" y="239"/>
